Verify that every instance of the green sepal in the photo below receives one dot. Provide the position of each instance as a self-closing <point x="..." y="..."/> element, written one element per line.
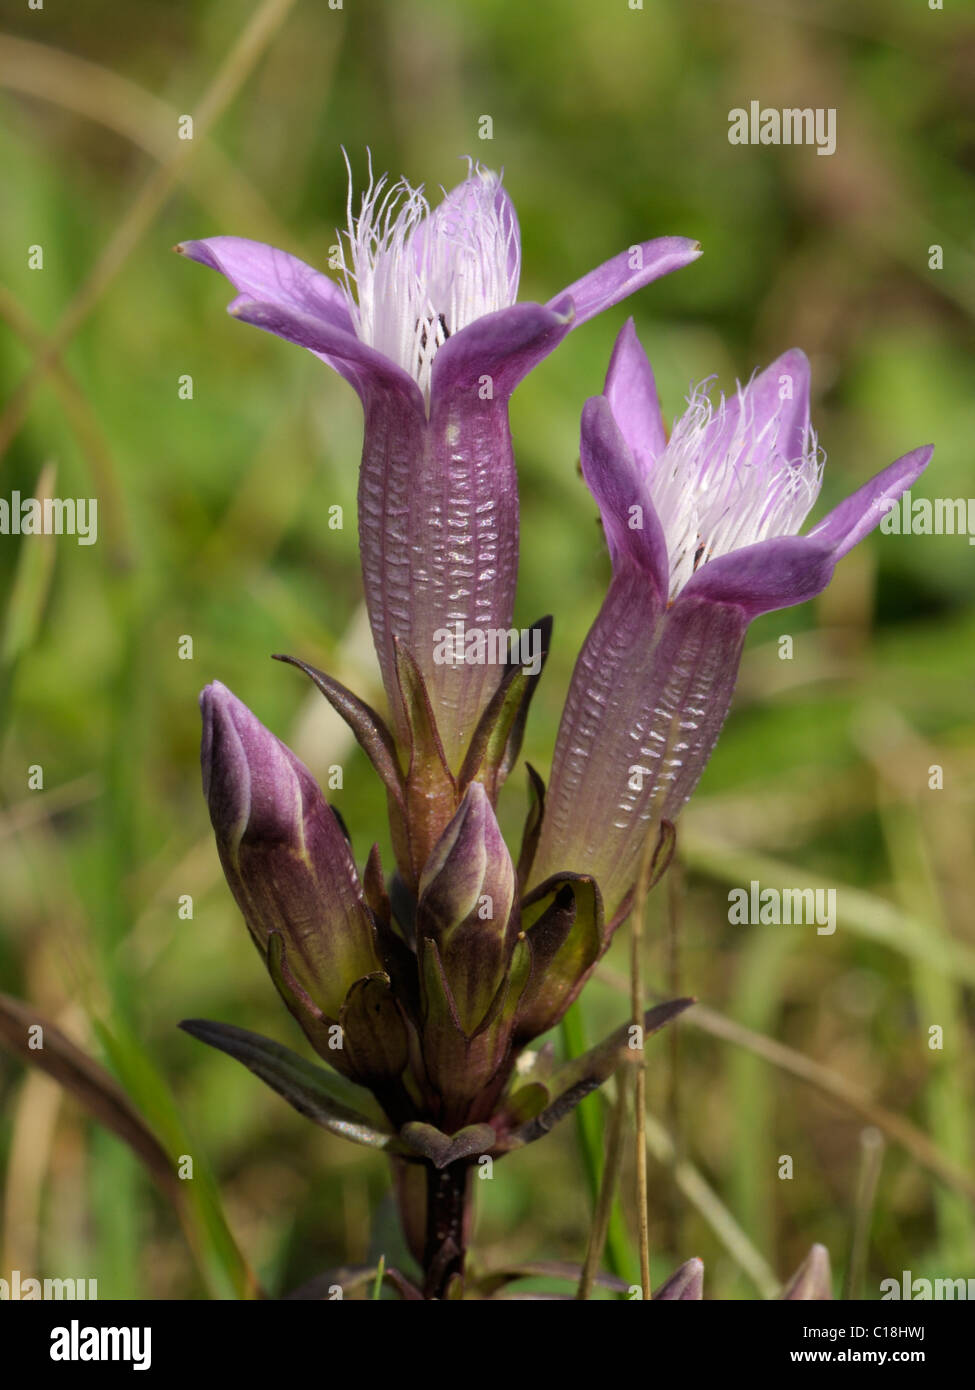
<point x="563" y="923"/>
<point x="374" y="1032"/>
<point x="317" y="1026"/>
<point x="496" y="742"/>
<point x="525" y="1102"/>
<point x="370" y="730"/>
<point x="533" y="825"/>
<point x="462" y="1068"/>
<point x="431" y="791"/>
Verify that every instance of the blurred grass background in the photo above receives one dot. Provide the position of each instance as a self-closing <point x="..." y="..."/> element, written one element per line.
<point x="611" y="125"/>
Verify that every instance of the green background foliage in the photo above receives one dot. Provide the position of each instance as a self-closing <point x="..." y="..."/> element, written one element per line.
<point x="611" y="125"/>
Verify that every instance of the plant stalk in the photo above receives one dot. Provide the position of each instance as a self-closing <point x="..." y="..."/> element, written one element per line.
<point x="448" y="1227"/>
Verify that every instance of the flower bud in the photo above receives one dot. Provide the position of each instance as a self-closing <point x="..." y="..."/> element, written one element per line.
<point x="286" y="860"/>
<point x="812" y="1281"/>
<point x="467" y="893"/>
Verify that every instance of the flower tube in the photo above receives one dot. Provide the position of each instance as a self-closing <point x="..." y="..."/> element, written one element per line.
<point x="702" y="534"/>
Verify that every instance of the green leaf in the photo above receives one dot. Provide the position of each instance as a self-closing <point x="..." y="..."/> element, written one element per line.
<point x="152" y="1130"/>
<point x="319" y="1095"/>
<point x="222" y="1262"/>
<point x="89" y="1083"/>
<point x="352" y="1278"/>
<point x="494" y="1279"/>
<point x="574" y="1081"/>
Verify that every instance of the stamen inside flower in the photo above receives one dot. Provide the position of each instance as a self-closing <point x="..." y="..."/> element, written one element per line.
<point x="415" y="276"/>
<point x="725" y="481"/>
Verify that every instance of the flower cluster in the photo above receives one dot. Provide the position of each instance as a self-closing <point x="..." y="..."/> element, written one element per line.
<point x="422" y="990"/>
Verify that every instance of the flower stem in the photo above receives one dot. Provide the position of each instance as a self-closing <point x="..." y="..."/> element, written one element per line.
<point x="640" y="1085"/>
<point x="448" y="1222"/>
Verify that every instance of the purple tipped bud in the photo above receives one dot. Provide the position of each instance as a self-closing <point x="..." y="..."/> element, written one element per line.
<point x="812" y="1281"/>
<point x="286" y="859"/>
<point x="685" y="1284"/>
<point x="467" y="896"/>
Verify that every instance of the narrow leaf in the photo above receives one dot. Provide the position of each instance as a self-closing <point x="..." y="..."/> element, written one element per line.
<point x="369" y="728"/>
<point x="89" y="1083"/>
<point x="313" y="1092"/>
<point x="577" y="1079"/>
<point x="350" y="1279"/>
<point x="495" y="1279"/>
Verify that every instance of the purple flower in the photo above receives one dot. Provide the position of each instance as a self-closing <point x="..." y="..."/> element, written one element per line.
<point x="426" y="329"/>
<point x="702" y="533"/>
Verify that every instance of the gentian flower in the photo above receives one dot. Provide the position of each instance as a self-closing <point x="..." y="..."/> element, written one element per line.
<point x="426" y="329"/>
<point x="702" y="530"/>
